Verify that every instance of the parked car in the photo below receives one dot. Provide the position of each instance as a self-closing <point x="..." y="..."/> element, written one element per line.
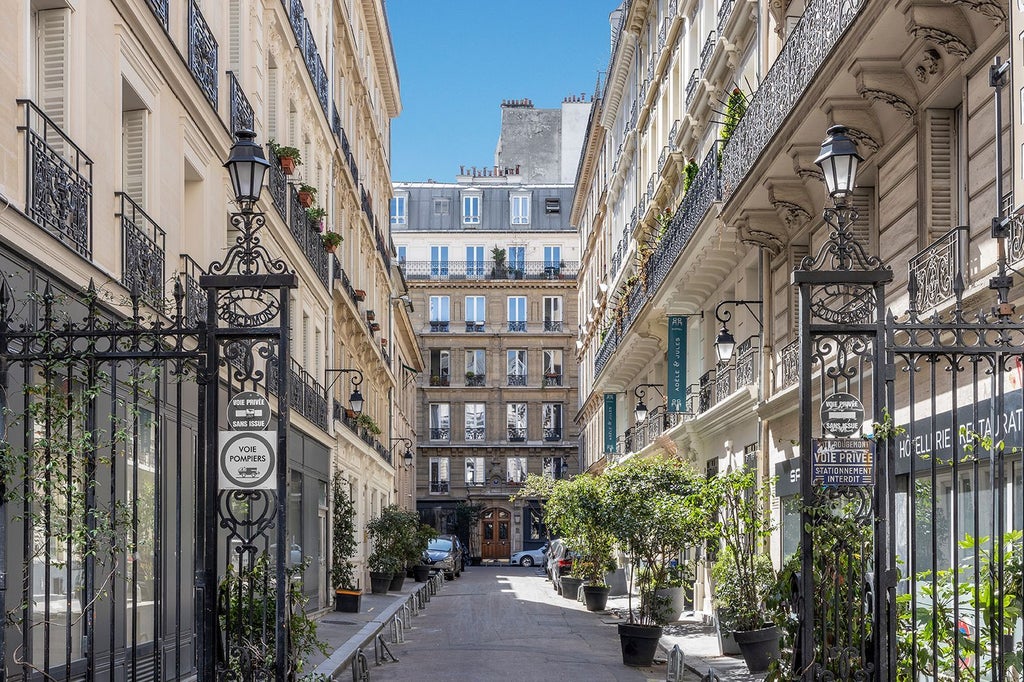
<point x="445" y="553"/>
<point x="559" y="563"/>
<point x="530" y="557"/>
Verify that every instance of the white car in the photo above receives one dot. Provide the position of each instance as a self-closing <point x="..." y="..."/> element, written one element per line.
<point x="530" y="557"/>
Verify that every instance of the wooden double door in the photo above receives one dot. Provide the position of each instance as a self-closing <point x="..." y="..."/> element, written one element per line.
<point x="495" y="533"/>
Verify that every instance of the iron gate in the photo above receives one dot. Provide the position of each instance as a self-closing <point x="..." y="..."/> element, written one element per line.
<point x="120" y="558"/>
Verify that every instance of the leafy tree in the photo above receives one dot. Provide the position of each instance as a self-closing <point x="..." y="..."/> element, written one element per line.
<point x="578" y="511"/>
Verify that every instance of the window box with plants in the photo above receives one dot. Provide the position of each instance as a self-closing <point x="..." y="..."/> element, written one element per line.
<point x="498" y="256"/>
<point x="315" y="216"/>
<point x="366" y="422"/>
<point x="347" y="594"/>
<point x="287" y="157"/>
<point x="307" y="195"/>
<point x="331" y="240"/>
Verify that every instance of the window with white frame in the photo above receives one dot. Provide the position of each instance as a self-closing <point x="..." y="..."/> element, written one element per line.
<point x="517" y="258"/>
<point x="398" y="214"/>
<point x="476" y="313"/>
<point x="553" y="367"/>
<point x="552" y="313"/>
<point x="475" y="426"/>
<point x="476" y="473"/>
<point x="402" y="250"/>
<point x="517" y="313"/>
<point x="471" y="209"/>
<point x="515" y="420"/>
<point x="474" y="261"/>
<point x="553" y="468"/>
<point x="440" y="476"/>
<point x="516" y="361"/>
<point x="520" y="209"/>
<point x="476" y="362"/>
<point x="440" y="421"/>
<point x="516" y="469"/>
<point x="440" y="313"/>
<point x="552" y="256"/>
<point x="551" y="421"/>
<point x="438" y="261"/>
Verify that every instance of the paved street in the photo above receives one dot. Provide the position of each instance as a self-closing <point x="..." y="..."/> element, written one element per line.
<point x="507" y="623"/>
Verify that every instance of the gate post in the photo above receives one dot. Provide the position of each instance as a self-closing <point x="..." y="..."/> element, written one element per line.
<point x="841" y="331"/>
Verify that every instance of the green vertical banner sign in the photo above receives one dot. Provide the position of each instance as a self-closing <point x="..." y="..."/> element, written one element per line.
<point x="610" y="436"/>
<point x="676" y="379"/>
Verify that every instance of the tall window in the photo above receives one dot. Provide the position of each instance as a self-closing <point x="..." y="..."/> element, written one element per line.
<point x="474" y="261"/>
<point x="438" y="261"/>
<point x="553" y="468"/>
<point x="440" y="367"/>
<point x="476" y="366"/>
<point x="553" y="367"/>
<point x="471" y="209"/>
<point x="515" y="419"/>
<point x="401" y="253"/>
<point x="552" y="313"/>
<point x="517" y="258"/>
<point x="516" y="468"/>
<point x="516" y="367"/>
<point x="398" y="215"/>
<point x="440" y="421"/>
<point x="551" y="421"/>
<point x="476" y="474"/>
<point x="440" y="311"/>
<point x="517" y="313"/>
<point x="520" y="209"/>
<point x="475" y="426"/>
<point x="476" y="314"/>
<point x="552" y="256"/>
<point x="440" y="476"/>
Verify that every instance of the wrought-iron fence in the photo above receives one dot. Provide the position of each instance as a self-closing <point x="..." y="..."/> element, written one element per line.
<point x="723" y="382"/>
<point x="517" y="325"/>
<point x="724" y="12"/>
<point x="442" y="433"/>
<point x="552" y="434"/>
<point x="707" y="391"/>
<point x="195" y="297"/>
<point x="553" y="325"/>
<point x="516" y="434"/>
<point x="439" y="326"/>
<point x="475" y="327"/>
<point x="552" y="380"/>
<point x="707" y="50"/>
<point x="746" y="362"/>
<point x="277" y="183"/>
<point x="475" y="433"/>
<point x="160" y="11"/>
<point x="691" y="86"/>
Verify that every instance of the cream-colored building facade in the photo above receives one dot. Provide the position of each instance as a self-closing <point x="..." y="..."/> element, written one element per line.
<point x="117" y="119"/>
<point x="682" y="206"/>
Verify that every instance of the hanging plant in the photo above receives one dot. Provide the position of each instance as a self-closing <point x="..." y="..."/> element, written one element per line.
<point x="331" y="240"/>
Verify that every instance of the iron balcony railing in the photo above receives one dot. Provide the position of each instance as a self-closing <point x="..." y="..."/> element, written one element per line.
<point x="723" y="382"/>
<point x="161" y="11"/>
<point x="277" y="183"/>
<point x="443" y="379"/>
<point x="242" y="117"/>
<point x="658" y="421"/>
<point x="202" y="53"/>
<point x="516" y="434"/>
<point x="663" y="157"/>
<point x="746" y="362"/>
<point x="476" y="380"/>
<point x="934" y="270"/>
<point x="789" y="364"/>
<point x="443" y="433"/>
<point x="440" y="326"/>
<point x="708" y="50"/>
<point x="476" y="327"/>
<point x="439" y="487"/>
<point x="633" y="114"/>
<point x="58" y="191"/>
<point x="551" y="380"/>
<point x="724" y="12"/>
<point x="516" y="379"/>
<point x="142" y="251"/>
<point x="307" y="236"/>
<point x="307" y="396"/>
<point x="552" y="434"/>
<point x="475" y="433"/>
<point x="706" y="396"/>
<point x="691" y="86"/>
<point x="195" y="296"/>
<point x="553" y="325"/>
<point x="673" y="133"/>
<point x="819" y="29"/>
<point x="310" y="56"/>
<point x="487" y="270"/>
<point x="1015" y="241"/>
<point x="517" y="325"/>
<point x="335" y="121"/>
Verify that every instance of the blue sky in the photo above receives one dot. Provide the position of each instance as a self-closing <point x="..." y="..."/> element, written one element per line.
<point x="458" y="59"/>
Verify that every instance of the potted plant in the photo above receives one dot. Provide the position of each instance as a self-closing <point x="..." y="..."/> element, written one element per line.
<point x="287" y="157"/>
<point x="307" y="193"/>
<point x="366" y="421"/>
<point x="360" y="294"/>
<point x="343" y="548"/>
<point x="316" y="215"/>
<point x="387" y="532"/>
<point x="421" y="538"/>
<point x="743" y="574"/>
<point x="331" y="240"/>
<point x="371" y="315"/>
<point x="656" y="507"/>
<point x="498" y="256"/>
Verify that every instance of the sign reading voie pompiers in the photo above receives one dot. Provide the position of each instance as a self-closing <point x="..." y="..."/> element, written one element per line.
<point x="247" y="454"/>
<point x="843" y="462"/>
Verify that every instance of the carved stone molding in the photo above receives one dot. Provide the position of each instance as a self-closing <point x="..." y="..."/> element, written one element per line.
<point x="762" y="229"/>
<point x="991" y="9"/>
<point x="930" y="65"/>
<point x="944" y="26"/>
<point x="885" y="81"/>
<point x="860" y="119"/>
<point x="788" y="198"/>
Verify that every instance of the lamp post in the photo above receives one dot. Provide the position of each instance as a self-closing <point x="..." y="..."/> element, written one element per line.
<point x="356" y="399"/>
<point x="640" y="411"/>
<point x="725" y="343"/>
<point x="408" y="456"/>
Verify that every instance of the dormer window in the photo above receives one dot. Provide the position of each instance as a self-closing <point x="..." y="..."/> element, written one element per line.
<point x="520" y="209"/>
<point x="471" y="209"/>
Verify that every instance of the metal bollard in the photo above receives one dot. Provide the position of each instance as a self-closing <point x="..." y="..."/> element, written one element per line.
<point x="712" y="676"/>
<point x="407" y="614"/>
<point x="397" y="630"/>
<point x="676" y="665"/>
<point x="360" y="667"/>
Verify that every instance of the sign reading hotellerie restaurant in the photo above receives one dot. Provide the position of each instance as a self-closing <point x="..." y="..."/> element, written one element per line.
<point x="610" y="435"/>
<point x="677" y="363"/>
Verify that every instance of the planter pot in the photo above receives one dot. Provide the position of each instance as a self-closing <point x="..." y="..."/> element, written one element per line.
<point x="759" y="647"/>
<point x="639" y="643"/>
<point x="616" y="582"/>
<point x="330" y="248"/>
<point x="360" y="294"/>
<point x="726" y="642"/>
<point x="421" y="572"/>
<point x="347" y="601"/>
<point x="595" y="597"/>
<point x="306" y="199"/>
<point x="571" y="587"/>
<point x="380" y="582"/>
<point x="287" y="165"/>
<point x="673" y="603"/>
<point x="396" y="582"/>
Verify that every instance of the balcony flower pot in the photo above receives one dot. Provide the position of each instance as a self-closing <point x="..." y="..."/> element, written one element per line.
<point x="639" y="643"/>
<point x="421" y="572"/>
<point x="347" y="601"/>
<point x="307" y="193"/>
<point x="370" y="315"/>
<point x="331" y="240"/>
<point x="571" y="587"/>
<point x="287" y="157"/>
<point x="380" y="582"/>
<point x="759" y="647"/>
<point x="396" y="582"/>
<point x="596" y="597"/>
<point x="287" y="164"/>
<point x="374" y="327"/>
<point x="360" y="294"/>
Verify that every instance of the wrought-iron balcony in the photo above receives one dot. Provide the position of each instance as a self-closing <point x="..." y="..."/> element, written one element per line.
<point x="516" y="434"/>
<point x="195" y="296"/>
<point x="516" y="379"/>
<point x="552" y="325"/>
<point x="277" y="183"/>
<point x="691" y="86"/>
<point x="142" y="252"/>
<point x="820" y="27"/>
<point x="202" y="53"/>
<point x="724" y="11"/>
<point x="552" y="434"/>
<point x="789" y="362"/>
<point x="488" y="270"/>
<point x="443" y="433"/>
<point x="440" y="326"/>
<point x="551" y="379"/>
<point x="746" y="362"/>
<point x="439" y="487"/>
<point x="706" y="397"/>
<point x="161" y="11"/>
<point x="517" y="325"/>
<point x="335" y="121"/>
<point x="708" y="50"/>
<point x="315" y="67"/>
<point x="242" y="117"/>
<point x="306" y="395"/>
<point x="476" y="380"/>
<point x="646" y="432"/>
<point x="475" y="327"/>
<point x="475" y="433"/>
<point x="307" y="235"/>
<point x="663" y="157"/>
<point x="934" y="270"/>
<point x="723" y="382"/>
<point x="58" y="191"/>
<point x="442" y="379"/>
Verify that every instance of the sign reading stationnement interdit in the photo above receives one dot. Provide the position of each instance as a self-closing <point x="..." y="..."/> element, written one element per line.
<point x="843" y="462"/>
<point x="677" y="363"/>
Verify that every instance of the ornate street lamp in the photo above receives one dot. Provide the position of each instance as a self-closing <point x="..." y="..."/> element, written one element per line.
<point x="640" y="411"/>
<point x="407" y="457"/>
<point x="838" y="162"/>
<point x="247" y="167"/>
<point x="725" y="344"/>
<point x="356" y="399"/>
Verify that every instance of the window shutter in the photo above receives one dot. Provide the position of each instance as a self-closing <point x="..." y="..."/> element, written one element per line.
<point x="133" y="155"/>
<point x="52" y="62"/>
<point x="235" y="37"/>
<point x="272" y="95"/>
<point x="940" y="165"/>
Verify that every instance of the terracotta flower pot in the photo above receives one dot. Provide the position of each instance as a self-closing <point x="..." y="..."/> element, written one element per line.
<point x="287" y="165"/>
<point x="306" y="199"/>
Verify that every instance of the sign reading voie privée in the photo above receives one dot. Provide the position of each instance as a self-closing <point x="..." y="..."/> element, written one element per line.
<point x="841" y="414"/>
<point x="247" y="460"/>
<point x="248" y="411"/>
<point x="843" y="462"/>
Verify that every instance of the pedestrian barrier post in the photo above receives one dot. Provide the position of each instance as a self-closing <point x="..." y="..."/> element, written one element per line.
<point x="360" y="667"/>
<point x="676" y="665"/>
<point x="712" y="676"/>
